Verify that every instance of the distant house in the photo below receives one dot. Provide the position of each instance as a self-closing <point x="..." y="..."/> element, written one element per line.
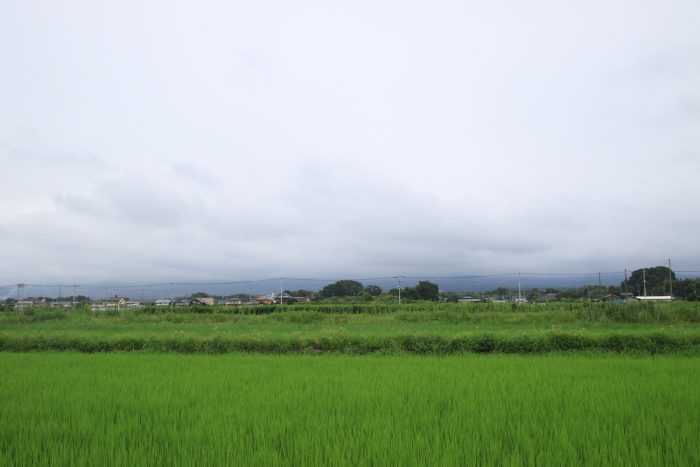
<point x="610" y="298"/>
<point x="469" y="300"/>
<point x="655" y="298"/>
<point x="61" y="304"/>
<point x="233" y="302"/>
<point x="24" y="304"/>
<point x="209" y="301"/>
<point x="264" y="300"/>
<point x="282" y="298"/>
<point x="133" y="304"/>
<point x="163" y="302"/>
<point x="116" y="303"/>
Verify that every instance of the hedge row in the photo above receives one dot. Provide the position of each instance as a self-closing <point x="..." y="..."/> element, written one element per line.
<point x="424" y="345"/>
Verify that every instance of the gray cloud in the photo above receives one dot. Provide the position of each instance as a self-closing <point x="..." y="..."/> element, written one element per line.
<point x="253" y="140"/>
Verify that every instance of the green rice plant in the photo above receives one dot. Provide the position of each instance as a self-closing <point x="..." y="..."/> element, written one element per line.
<point x="472" y="410"/>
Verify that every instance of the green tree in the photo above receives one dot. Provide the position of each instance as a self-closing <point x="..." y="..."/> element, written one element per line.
<point x="410" y="293"/>
<point x="342" y="288"/>
<point x="687" y="289"/>
<point x="200" y="295"/>
<point x="657" y="281"/>
<point x="427" y="291"/>
<point x="373" y="290"/>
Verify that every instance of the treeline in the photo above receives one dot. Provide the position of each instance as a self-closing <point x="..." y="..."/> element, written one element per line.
<point x="424" y="290"/>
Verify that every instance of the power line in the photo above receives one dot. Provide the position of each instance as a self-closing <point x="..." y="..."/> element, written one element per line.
<point x="170" y="284"/>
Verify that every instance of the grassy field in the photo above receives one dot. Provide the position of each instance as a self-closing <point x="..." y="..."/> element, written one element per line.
<point x="423" y="328"/>
<point x="165" y="409"/>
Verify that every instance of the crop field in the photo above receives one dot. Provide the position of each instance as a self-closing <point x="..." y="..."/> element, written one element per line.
<point x="168" y="409"/>
<point x="566" y="384"/>
<point x="418" y="328"/>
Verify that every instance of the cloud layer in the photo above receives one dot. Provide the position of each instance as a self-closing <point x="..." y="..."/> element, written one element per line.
<point x="239" y="140"/>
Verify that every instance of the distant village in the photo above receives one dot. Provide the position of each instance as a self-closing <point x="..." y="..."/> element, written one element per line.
<point x="655" y="284"/>
<point x="119" y="303"/>
<point x="122" y="303"/>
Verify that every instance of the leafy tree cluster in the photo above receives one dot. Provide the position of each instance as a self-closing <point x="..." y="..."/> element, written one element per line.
<point x="350" y="288"/>
<point x="424" y="290"/>
<point x="200" y="295"/>
<point x="300" y="293"/>
<point x="687" y="289"/>
<point x="657" y="281"/>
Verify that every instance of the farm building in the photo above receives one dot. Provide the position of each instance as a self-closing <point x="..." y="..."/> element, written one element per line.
<point x="469" y="300"/>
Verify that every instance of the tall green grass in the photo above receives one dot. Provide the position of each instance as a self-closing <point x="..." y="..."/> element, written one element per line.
<point x="432" y="329"/>
<point x="681" y="312"/>
<point x="117" y="409"/>
<point x="425" y="344"/>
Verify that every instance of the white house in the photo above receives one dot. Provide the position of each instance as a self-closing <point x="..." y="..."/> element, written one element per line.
<point x="655" y="298"/>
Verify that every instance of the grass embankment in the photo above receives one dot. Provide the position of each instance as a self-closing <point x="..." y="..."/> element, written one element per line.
<point x="131" y="409"/>
<point x="419" y="328"/>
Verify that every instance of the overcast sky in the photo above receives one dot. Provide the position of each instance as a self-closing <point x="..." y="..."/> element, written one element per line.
<point x="169" y="140"/>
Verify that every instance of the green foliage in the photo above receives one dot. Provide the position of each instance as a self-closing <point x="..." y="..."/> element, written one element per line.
<point x="343" y="288"/>
<point x="687" y="289"/>
<point x="657" y="281"/>
<point x="200" y="295"/>
<point x="427" y="291"/>
<point x="133" y="409"/>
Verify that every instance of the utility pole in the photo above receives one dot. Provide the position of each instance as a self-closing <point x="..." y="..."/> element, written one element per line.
<point x="399" y="279"/>
<point x="520" y="295"/>
<point x="600" y="283"/>
<point x="625" y="281"/>
<point x="19" y="287"/>
<point x="281" y="297"/>
<point x="644" y="280"/>
<point x="670" y="278"/>
<point x="59" y="292"/>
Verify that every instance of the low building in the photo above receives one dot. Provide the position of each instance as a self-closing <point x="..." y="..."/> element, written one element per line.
<point x="655" y="298"/>
<point x="469" y="300"/>
<point x="24" y="304"/>
<point x="264" y="300"/>
<point x="163" y="302"/>
<point x="116" y="303"/>
<point x="209" y="301"/>
<point x="610" y="298"/>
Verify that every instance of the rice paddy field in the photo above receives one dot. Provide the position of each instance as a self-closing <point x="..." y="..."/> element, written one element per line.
<point x="304" y="386"/>
<point x="171" y="409"/>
